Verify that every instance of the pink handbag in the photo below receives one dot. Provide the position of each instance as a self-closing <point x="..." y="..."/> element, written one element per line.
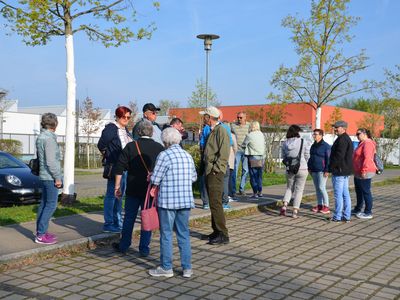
<point x="149" y="215"/>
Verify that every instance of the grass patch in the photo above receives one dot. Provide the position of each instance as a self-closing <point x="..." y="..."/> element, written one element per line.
<point x="26" y="213"/>
<point x="389" y="181"/>
<point x="87" y="172"/>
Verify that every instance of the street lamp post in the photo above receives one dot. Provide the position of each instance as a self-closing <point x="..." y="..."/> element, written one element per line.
<point x="207" y="47"/>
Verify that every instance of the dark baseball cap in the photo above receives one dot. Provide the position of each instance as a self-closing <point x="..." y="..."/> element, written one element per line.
<point x="340" y="124"/>
<point x="151" y="107"/>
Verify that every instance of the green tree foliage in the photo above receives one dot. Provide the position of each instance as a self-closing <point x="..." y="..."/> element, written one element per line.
<point x="37" y="21"/>
<point x="323" y="73"/>
<point x="13" y="147"/>
<point x="132" y="105"/>
<point x="198" y="97"/>
<point x="336" y="115"/>
<point x="165" y="105"/>
<point x="90" y="123"/>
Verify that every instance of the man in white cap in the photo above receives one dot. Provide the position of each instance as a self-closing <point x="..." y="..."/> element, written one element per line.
<point x="216" y="155"/>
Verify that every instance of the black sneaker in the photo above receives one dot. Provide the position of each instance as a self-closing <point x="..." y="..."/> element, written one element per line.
<point x="219" y="240"/>
<point x="116" y="248"/>
<point x="205" y="237"/>
<point x="335" y="220"/>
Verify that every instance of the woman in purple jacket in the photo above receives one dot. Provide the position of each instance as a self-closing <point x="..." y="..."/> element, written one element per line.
<point x="320" y="152"/>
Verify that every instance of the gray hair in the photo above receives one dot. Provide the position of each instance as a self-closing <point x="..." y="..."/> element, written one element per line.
<point x="49" y="121"/>
<point x="254" y="126"/>
<point x="170" y="136"/>
<point x="145" y="128"/>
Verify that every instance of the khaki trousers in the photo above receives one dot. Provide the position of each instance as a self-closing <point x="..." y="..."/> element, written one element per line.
<point x="215" y="187"/>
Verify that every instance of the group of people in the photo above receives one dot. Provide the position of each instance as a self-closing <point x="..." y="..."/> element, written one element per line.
<point x="319" y="160"/>
<point x="152" y="156"/>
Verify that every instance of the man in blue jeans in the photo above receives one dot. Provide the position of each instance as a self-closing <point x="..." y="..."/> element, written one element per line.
<point x="341" y="167"/>
<point x="240" y="129"/>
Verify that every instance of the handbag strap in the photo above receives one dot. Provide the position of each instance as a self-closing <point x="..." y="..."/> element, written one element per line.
<point x="141" y="157"/>
<point x="301" y="147"/>
<point x="147" y="199"/>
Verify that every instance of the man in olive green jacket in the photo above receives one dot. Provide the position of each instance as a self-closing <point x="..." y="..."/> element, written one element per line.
<point x="216" y="155"/>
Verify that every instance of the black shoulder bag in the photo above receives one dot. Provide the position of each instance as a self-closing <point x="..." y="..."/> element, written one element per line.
<point x="293" y="163"/>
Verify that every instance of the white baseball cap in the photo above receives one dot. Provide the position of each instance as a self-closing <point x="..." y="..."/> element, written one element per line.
<point x="212" y="111"/>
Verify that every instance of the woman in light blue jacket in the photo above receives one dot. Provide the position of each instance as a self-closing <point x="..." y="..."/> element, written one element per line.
<point x="50" y="175"/>
<point x="254" y="145"/>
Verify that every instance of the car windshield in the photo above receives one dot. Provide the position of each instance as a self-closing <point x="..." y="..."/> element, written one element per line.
<point x="7" y="161"/>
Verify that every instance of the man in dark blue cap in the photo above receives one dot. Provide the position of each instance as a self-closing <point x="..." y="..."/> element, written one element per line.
<point x="150" y="112"/>
<point x="341" y="167"/>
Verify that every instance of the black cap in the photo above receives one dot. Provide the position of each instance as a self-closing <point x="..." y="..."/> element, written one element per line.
<point x="150" y="106"/>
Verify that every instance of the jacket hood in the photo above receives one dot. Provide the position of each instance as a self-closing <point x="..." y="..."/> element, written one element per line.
<point x="293" y="143"/>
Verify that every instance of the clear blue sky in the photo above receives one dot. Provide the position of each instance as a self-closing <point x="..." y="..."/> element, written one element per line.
<point x="252" y="46"/>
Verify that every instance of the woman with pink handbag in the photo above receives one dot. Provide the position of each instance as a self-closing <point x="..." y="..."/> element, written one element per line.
<point x="173" y="176"/>
<point x="138" y="158"/>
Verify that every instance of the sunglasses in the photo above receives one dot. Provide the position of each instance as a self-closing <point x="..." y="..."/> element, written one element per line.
<point x="358" y="133"/>
<point x="126" y="117"/>
<point x="240" y="118"/>
<point x="152" y="112"/>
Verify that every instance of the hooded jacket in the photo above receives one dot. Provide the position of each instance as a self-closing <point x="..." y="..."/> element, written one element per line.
<point x="109" y="143"/>
<point x="291" y="148"/>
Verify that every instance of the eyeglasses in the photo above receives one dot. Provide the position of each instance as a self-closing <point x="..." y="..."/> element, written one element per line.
<point x="314" y="134"/>
<point x="126" y="117"/>
<point x="240" y="118"/>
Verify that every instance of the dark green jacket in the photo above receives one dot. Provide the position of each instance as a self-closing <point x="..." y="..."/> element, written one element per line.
<point x="216" y="152"/>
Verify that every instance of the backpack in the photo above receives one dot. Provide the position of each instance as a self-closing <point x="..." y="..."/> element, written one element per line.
<point x="35" y="166"/>
<point x="293" y="163"/>
<point x="379" y="164"/>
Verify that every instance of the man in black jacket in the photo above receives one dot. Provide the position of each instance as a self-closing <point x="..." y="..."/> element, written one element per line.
<point x="341" y="167"/>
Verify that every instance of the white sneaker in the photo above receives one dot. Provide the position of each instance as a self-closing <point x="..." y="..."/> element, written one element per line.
<point x="364" y="216"/>
<point x="187" y="273"/>
<point x="158" y="272"/>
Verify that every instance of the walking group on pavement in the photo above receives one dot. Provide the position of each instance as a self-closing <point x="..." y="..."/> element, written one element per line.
<point x="151" y="160"/>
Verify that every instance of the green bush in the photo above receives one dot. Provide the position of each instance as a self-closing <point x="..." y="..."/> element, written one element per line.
<point x="194" y="151"/>
<point x="13" y="147"/>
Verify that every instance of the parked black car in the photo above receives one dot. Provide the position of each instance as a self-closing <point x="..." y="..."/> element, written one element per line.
<point x="17" y="184"/>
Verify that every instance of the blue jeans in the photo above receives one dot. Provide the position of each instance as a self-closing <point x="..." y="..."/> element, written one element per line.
<point x="364" y="195"/>
<point x="131" y="210"/>
<point x="174" y="220"/>
<point x="113" y="206"/>
<point x="256" y="179"/>
<point x="342" y="197"/>
<point x="47" y="206"/>
<point x="240" y="157"/>
<point x="225" y="194"/>
<point x="203" y="189"/>
<point x="320" y="187"/>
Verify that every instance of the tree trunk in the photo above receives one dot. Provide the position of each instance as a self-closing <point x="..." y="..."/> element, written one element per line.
<point x="88" y="154"/>
<point x="69" y="156"/>
<point x="318" y="118"/>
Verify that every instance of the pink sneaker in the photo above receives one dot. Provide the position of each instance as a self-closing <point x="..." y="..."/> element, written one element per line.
<point x="317" y="208"/>
<point x="51" y="235"/>
<point x="283" y="212"/>
<point x="45" y="239"/>
<point x="325" y="210"/>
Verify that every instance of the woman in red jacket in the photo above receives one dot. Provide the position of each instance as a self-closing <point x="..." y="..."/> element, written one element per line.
<point x="364" y="169"/>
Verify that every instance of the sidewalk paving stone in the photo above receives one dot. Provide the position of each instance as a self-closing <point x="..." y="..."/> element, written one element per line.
<point x="269" y="257"/>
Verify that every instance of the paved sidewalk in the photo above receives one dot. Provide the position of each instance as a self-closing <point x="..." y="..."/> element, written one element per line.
<point x="17" y="240"/>
<point x="269" y="257"/>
